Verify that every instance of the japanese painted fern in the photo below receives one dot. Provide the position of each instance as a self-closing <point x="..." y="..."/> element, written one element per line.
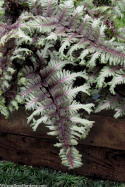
<point x="50" y="94"/>
<point x="49" y="46"/>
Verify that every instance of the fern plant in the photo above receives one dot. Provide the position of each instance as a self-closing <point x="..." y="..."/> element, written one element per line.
<point x="51" y="52"/>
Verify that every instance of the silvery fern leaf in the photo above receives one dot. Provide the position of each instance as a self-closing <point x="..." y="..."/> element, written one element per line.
<point x="118" y="7"/>
<point x="118" y="79"/>
<point x="107" y="71"/>
<point x="51" y="97"/>
<point x="110" y="102"/>
<point x="120" y="110"/>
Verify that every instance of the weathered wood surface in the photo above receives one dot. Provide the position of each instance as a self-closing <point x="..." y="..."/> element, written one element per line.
<point x="106" y="132"/>
<point x="103" y="150"/>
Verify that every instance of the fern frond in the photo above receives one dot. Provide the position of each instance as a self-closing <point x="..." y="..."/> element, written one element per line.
<point x="120" y="110"/>
<point x="53" y="84"/>
<point x="119" y="7"/>
<point x="118" y="79"/>
<point x="107" y="71"/>
<point x="111" y="102"/>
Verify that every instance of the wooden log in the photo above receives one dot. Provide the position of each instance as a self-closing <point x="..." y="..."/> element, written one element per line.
<point x="106" y="132"/>
<point x="103" y="150"/>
